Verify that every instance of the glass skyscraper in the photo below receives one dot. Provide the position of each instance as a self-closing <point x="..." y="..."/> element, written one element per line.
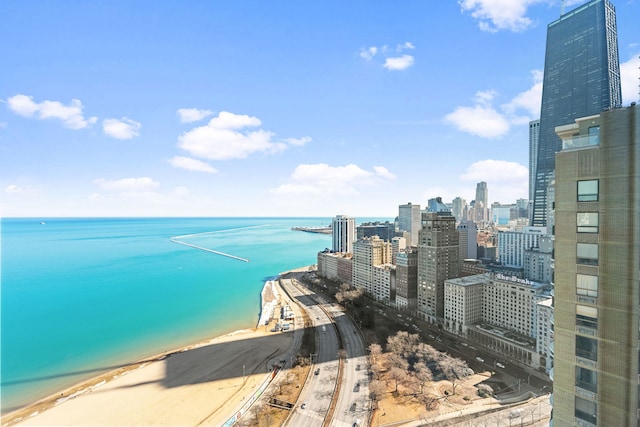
<point x="581" y="78"/>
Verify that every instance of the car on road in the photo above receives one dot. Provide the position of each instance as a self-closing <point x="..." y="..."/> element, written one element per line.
<point x="479" y="359"/>
<point x="304" y="405"/>
<point x="465" y="344"/>
<point x="317" y="372"/>
<point x="500" y="365"/>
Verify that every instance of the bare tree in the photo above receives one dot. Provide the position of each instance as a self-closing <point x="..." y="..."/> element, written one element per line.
<point x="430" y="402"/>
<point x="403" y="343"/>
<point x="399" y="376"/>
<point x="377" y="391"/>
<point x="423" y="374"/>
<point x="427" y="353"/>
<point x="453" y="369"/>
<point x="397" y="361"/>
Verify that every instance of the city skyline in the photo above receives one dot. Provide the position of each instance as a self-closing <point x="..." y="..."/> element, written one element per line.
<point x="271" y="110"/>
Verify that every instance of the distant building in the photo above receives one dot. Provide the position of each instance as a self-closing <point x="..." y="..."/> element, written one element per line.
<point x="385" y="230"/>
<point x="534" y="137"/>
<point x="438" y="260"/>
<point x="409" y="221"/>
<point x="343" y="230"/>
<point x="544" y="339"/>
<point x="459" y="208"/>
<point x="407" y="279"/>
<point x="538" y="260"/>
<point x="335" y="266"/>
<point x="367" y="253"/>
<point x="482" y="202"/>
<point x="468" y="234"/>
<point x="512" y="244"/>
<point x="436" y="205"/>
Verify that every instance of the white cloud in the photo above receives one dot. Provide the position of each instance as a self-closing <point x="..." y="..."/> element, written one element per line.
<point x="225" y="138"/>
<point x="70" y="115"/>
<point x="127" y="184"/>
<point x="496" y="15"/>
<point x="191" y="164"/>
<point x="384" y="172"/>
<point x="121" y="128"/>
<point x="394" y="63"/>
<point x="405" y="45"/>
<point x="479" y="120"/>
<point x="189" y="115"/>
<point x="629" y="79"/>
<point x="507" y="181"/>
<point x="298" y="141"/>
<point x="398" y="63"/>
<point x="19" y="189"/>
<point x="495" y="170"/>
<point x="529" y="100"/>
<point x="324" y="180"/>
<point x="368" y="53"/>
<point x="486" y="121"/>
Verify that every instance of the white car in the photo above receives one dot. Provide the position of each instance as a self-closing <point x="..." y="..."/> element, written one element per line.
<point x="500" y="365"/>
<point x="479" y="359"/>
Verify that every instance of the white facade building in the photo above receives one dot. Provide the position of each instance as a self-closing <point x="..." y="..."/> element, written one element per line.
<point x="512" y="244"/>
<point x="343" y="230"/>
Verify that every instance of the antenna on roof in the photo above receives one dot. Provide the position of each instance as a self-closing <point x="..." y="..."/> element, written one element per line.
<point x="562" y="8"/>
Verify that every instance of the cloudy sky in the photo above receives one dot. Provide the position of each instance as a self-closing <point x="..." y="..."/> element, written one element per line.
<point x="271" y="108"/>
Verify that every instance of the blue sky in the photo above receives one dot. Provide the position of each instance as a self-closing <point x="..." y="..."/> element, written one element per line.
<point x="265" y="108"/>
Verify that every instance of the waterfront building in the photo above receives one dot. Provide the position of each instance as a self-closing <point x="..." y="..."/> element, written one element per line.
<point x="385" y="230"/>
<point x="383" y="287"/>
<point x="367" y="253"/>
<point x="407" y="279"/>
<point x="335" y="266"/>
<point x="438" y="260"/>
<point x="597" y="268"/>
<point x="512" y="245"/>
<point x="409" y="221"/>
<point x="581" y="78"/>
<point x="343" y="229"/>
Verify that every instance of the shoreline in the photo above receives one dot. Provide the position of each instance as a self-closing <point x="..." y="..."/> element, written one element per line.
<point x="270" y="297"/>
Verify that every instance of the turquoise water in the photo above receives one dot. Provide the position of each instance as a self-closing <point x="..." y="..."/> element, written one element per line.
<point x="83" y="296"/>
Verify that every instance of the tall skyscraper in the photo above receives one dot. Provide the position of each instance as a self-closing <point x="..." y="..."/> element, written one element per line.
<point x="534" y="137"/>
<point x="343" y="230"/>
<point x="438" y="260"/>
<point x="581" y="78"/>
<point x="409" y="221"/>
<point x="597" y="271"/>
<point x="482" y="202"/>
<point x="459" y="208"/>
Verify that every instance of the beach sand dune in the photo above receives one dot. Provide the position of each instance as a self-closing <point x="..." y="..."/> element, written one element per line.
<point x="203" y="384"/>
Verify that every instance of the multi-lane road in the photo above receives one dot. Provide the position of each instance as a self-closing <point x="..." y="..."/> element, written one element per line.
<point x="336" y="392"/>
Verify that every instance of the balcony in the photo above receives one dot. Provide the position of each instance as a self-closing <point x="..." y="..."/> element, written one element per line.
<point x="582" y="141"/>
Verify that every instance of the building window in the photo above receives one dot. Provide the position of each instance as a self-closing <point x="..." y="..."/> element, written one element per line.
<point x="587" y="285"/>
<point x="588" y="191"/>
<point x="587" y="222"/>
<point x="586" y="348"/>
<point x="587" y="316"/>
<point x="586" y="379"/>
<point x="587" y="253"/>
<point x="586" y="410"/>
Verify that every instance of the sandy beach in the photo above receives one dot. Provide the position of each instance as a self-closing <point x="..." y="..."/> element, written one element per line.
<point x="203" y="384"/>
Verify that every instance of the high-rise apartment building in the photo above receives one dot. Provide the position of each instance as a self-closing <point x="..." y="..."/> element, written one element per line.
<point x="406" y="279"/>
<point x="368" y="252"/>
<point x="438" y="260"/>
<point x="409" y="221"/>
<point x="459" y="208"/>
<point x="468" y="237"/>
<point x="343" y="230"/>
<point x="581" y="78"/>
<point x="597" y="269"/>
